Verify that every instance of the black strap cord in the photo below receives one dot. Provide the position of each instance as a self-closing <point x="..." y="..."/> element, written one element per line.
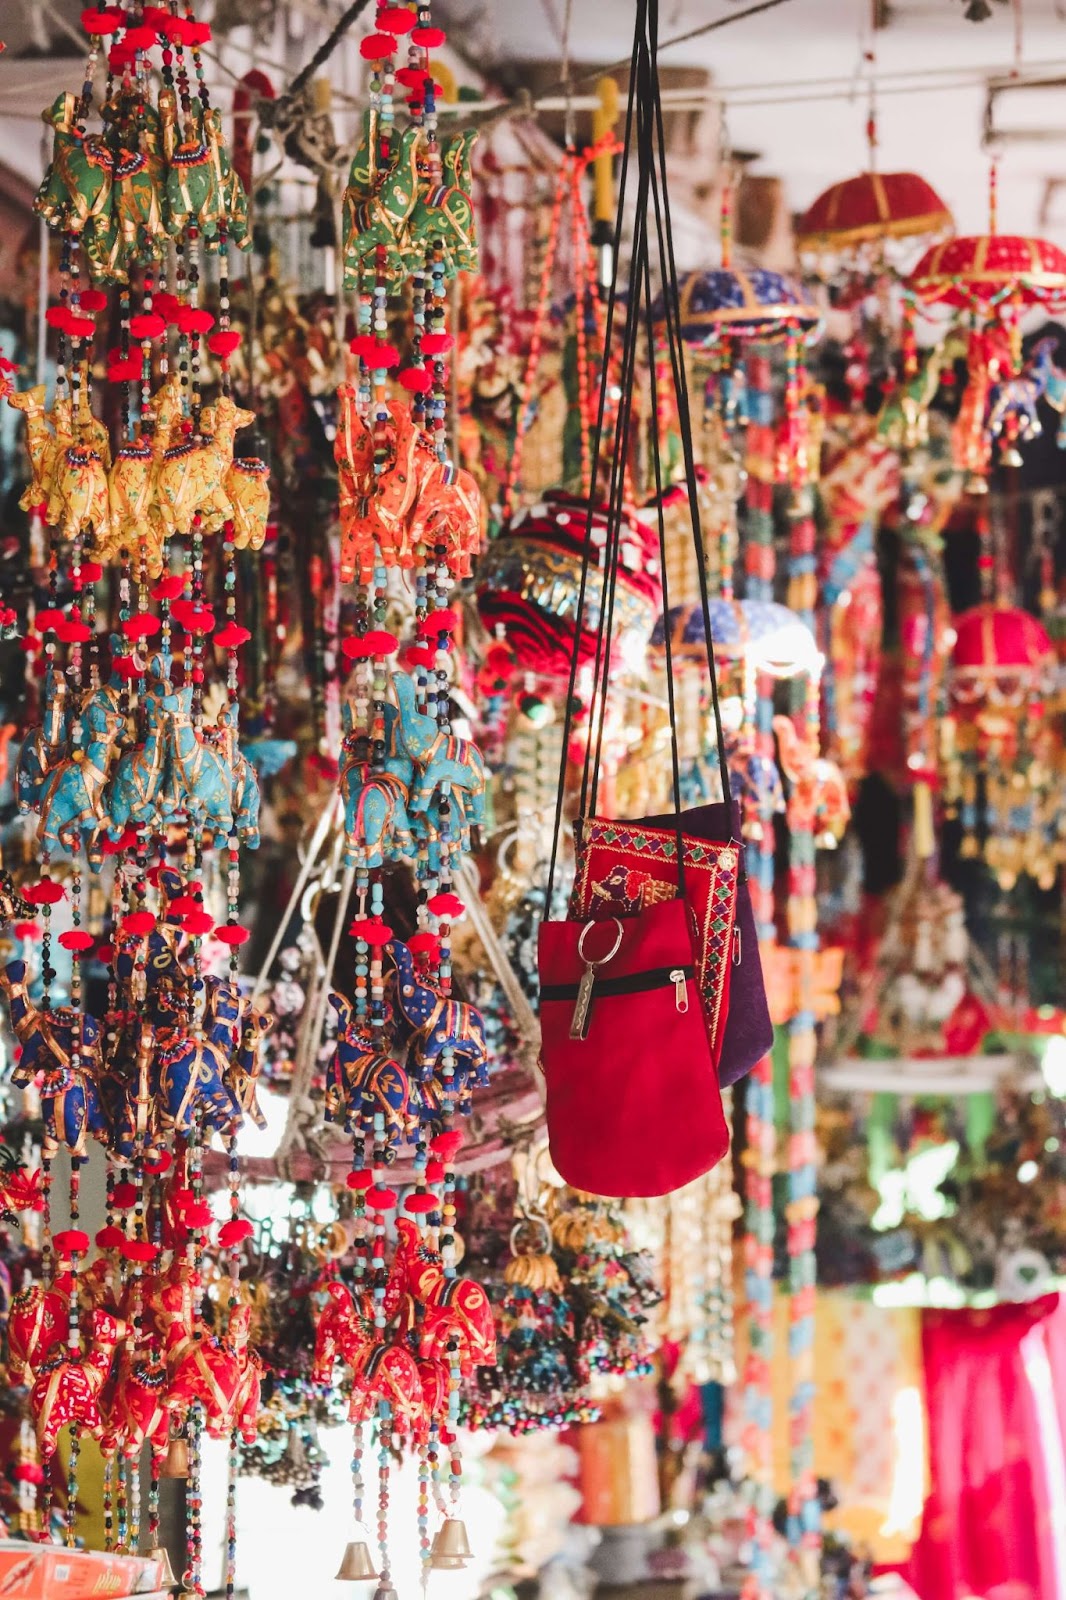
<point x="644" y="122"/>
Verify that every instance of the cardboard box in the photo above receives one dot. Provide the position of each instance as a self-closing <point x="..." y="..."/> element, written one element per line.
<point x="51" y="1572"/>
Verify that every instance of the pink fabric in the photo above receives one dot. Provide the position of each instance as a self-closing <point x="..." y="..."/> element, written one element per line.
<point x="986" y="1528"/>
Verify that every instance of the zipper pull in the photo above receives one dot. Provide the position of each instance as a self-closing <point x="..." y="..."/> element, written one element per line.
<point x="680" y="989"/>
<point x="579" y="1022"/>
<point x="737" y="957"/>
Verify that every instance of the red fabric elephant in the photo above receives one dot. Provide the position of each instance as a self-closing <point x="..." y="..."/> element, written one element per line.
<point x="452" y="1308"/>
<point x="68" y="1387"/>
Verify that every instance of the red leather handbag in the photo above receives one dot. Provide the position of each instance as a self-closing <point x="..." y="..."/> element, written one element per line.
<point x="633" y="1102"/>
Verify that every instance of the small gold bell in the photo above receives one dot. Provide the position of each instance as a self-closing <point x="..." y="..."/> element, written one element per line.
<point x="357" y="1565"/>
<point x="176" y="1464"/>
<point x="160" y="1553"/>
<point x="451" y="1547"/>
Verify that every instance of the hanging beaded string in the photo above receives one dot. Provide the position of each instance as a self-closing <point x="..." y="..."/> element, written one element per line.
<point x="524" y="416"/>
<point x="192" y="1578"/>
<point x="759" y="572"/>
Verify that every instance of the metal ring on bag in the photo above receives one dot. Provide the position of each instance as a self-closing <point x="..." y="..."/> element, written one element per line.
<point x="599" y="961"/>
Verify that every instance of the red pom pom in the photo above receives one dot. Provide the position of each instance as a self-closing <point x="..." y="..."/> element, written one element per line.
<point x="110" y="1238"/>
<point x="170" y="587"/>
<point x="423" y="944"/>
<point x="419" y="1204"/>
<point x="70" y="1242"/>
<point x="91" y="571"/>
<point x="380" y="1199"/>
<point x="193" y="319"/>
<point x="377" y="354"/>
<point x="372" y="929"/>
<point x="76" y="939"/>
<point x="428" y="38"/>
<point x="48" y="617"/>
<point x="127" y="666"/>
<point x="81" y="327"/>
<point x="59" y="317"/>
<point x="196" y="1215"/>
<point x="380" y="643"/>
<point x="177" y="30"/>
<point x="446" y="1145"/>
<point x="360" y="1179"/>
<point x="140" y="626"/>
<point x="93" y="299"/>
<point x="195" y="923"/>
<point x="418" y="655"/>
<point x="199" y="33"/>
<point x="224" y="342"/>
<point x="376" y="46"/>
<point x="396" y="19"/>
<point x="193" y="616"/>
<point x="147" y="325"/>
<point x="124" y="1195"/>
<point x="416" y="380"/>
<point x="115" y="847"/>
<point x="119" y="58"/>
<point x="142" y="1250"/>
<point x="235" y="1231"/>
<point x="232" y="933"/>
<point x="139" y="38"/>
<point x="102" y="20"/>
<point x="168" y="305"/>
<point x="27" y="930"/>
<point x="138" y="922"/>
<point x="435" y="344"/>
<point x="231" y="636"/>
<point x="159" y="1164"/>
<point x="46" y="892"/>
<point x="71" y="631"/>
<point x="124" y="369"/>
<point x="434" y="1171"/>
<point x="155" y="17"/>
<point x="444" y="621"/>
<point x="445" y="905"/>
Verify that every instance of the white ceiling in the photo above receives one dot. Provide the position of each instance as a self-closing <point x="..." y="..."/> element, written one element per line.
<point x="794" y="80"/>
<point x="927" y="123"/>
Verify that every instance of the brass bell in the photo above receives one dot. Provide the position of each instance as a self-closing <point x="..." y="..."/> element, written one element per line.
<point x="176" y="1464"/>
<point x="385" y="1591"/>
<point x="451" y="1547"/>
<point x="357" y="1565"/>
<point x="160" y="1553"/>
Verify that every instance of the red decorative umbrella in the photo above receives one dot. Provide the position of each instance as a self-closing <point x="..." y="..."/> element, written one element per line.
<point x="987" y="268"/>
<point x="875" y="205"/>
<point x="1001" y="654"/>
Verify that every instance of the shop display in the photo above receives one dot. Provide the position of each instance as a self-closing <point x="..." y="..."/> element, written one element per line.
<point x="531" y="754"/>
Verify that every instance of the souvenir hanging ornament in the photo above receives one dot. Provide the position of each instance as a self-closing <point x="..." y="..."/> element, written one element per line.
<point x="992" y="279"/>
<point x="529" y="577"/>
<point x="407" y="1053"/>
<point x="134" y="768"/>
<point x="852" y="222"/>
<point x="1001" y="749"/>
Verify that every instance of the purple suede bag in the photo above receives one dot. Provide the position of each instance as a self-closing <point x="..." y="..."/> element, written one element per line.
<point x="749" y="1033"/>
